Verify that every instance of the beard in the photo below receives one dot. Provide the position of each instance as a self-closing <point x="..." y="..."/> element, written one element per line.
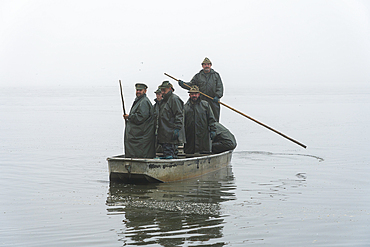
<point x="207" y="69"/>
<point x="194" y="99"/>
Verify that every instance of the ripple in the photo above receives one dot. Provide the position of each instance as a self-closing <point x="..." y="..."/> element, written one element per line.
<point x="280" y="154"/>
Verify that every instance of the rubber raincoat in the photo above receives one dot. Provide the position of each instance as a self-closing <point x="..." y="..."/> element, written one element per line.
<point x="224" y="139"/>
<point x="199" y="121"/>
<point x="139" y="132"/>
<point x="211" y="85"/>
<point x="171" y="118"/>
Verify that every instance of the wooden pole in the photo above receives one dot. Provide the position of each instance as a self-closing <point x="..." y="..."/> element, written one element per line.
<point x="123" y="102"/>
<point x="241" y="113"/>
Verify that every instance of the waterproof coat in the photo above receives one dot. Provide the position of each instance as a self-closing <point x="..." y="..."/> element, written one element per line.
<point x="156" y="114"/>
<point x="211" y="85"/>
<point x="171" y="118"/>
<point x="158" y="147"/>
<point x="139" y="131"/>
<point x="224" y="139"/>
<point x="199" y="121"/>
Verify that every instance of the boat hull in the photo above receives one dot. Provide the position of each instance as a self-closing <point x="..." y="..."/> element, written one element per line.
<point x="133" y="170"/>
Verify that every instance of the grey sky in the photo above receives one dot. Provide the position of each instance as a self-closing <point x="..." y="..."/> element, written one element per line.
<point x="323" y="42"/>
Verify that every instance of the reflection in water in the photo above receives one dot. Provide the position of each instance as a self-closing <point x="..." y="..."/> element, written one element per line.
<point x="280" y="154"/>
<point x="172" y="214"/>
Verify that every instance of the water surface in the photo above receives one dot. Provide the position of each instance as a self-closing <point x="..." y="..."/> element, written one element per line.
<point x="55" y="189"/>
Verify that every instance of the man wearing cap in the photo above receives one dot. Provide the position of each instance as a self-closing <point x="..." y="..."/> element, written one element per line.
<point x="223" y="140"/>
<point x="199" y="124"/>
<point x="139" y="132"/>
<point x="157" y="100"/>
<point x="171" y="131"/>
<point x="209" y="83"/>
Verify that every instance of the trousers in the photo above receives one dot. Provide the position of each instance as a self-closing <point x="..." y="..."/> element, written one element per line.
<point x="169" y="149"/>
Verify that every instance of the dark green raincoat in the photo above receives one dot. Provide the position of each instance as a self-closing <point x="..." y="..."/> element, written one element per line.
<point x="210" y="84"/>
<point x="199" y="121"/>
<point x="158" y="147"/>
<point x="156" y="114"/>
<point x="139" y="131"/>
<point x="171" y="117"/>
<point x="224" y="139"/>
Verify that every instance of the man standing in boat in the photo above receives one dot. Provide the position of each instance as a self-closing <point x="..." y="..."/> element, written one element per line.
<point x="209" y="83"/>
<point x="199" y="124"/>
<point x="223" y="140"/>
<point x="139" y="132"/>
<point x="171" y="131"/>
<point x="157" y="100"/>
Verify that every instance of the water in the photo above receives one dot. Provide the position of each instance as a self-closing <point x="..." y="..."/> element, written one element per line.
<point x="55" y="189"/>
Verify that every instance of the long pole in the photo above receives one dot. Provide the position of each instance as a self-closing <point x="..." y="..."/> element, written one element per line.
<point x="241" y="113"/>
<point x="123" y="102"/>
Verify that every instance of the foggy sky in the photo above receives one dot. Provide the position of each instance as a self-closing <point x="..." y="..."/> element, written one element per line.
<point x="263" y="43"/>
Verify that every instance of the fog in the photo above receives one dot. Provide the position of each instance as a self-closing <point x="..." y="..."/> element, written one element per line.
<point x="250" y="43"/>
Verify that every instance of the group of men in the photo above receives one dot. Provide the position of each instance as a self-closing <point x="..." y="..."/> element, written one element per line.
<point x="170" y="122"/>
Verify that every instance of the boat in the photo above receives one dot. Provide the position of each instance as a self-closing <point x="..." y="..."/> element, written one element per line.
<point x="142" y="170"/>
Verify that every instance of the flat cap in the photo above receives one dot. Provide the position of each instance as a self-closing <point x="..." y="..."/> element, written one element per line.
<point x="141" y="86"/>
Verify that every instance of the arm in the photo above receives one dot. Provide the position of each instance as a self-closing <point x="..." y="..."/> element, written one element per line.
<point x="219" y="86"/>
<point x="184" y="85"/>
<point x="211" y="122"/>
<point x="211" y="119"/>
<point x="178" y="112"/>
<point x="188" y="85"/>
<point x="141" y="114"/>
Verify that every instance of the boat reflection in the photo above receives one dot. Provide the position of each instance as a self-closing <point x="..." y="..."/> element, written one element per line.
<point x="173" y="214"/>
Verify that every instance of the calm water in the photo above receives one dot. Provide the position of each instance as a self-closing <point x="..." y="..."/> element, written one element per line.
<point x="55" y="189"/>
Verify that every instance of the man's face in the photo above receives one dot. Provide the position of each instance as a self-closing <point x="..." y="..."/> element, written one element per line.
<point x="158" y="96"/>
<point x="206" y="67"/>
<point x="194" y="96"/>
<point x="165" y="90"/>
<point x="140" y="92"/>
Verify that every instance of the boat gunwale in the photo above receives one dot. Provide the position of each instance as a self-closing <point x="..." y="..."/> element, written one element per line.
<point x="145" y="160"/>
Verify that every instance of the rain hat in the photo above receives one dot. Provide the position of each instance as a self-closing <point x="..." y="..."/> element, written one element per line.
<point x="166" y="84"/>
<point x="194" y="89"/>
<point x="206" y="60"/>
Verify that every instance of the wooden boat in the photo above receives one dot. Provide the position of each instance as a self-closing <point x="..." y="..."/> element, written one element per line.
<point x="135" y="170"/>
